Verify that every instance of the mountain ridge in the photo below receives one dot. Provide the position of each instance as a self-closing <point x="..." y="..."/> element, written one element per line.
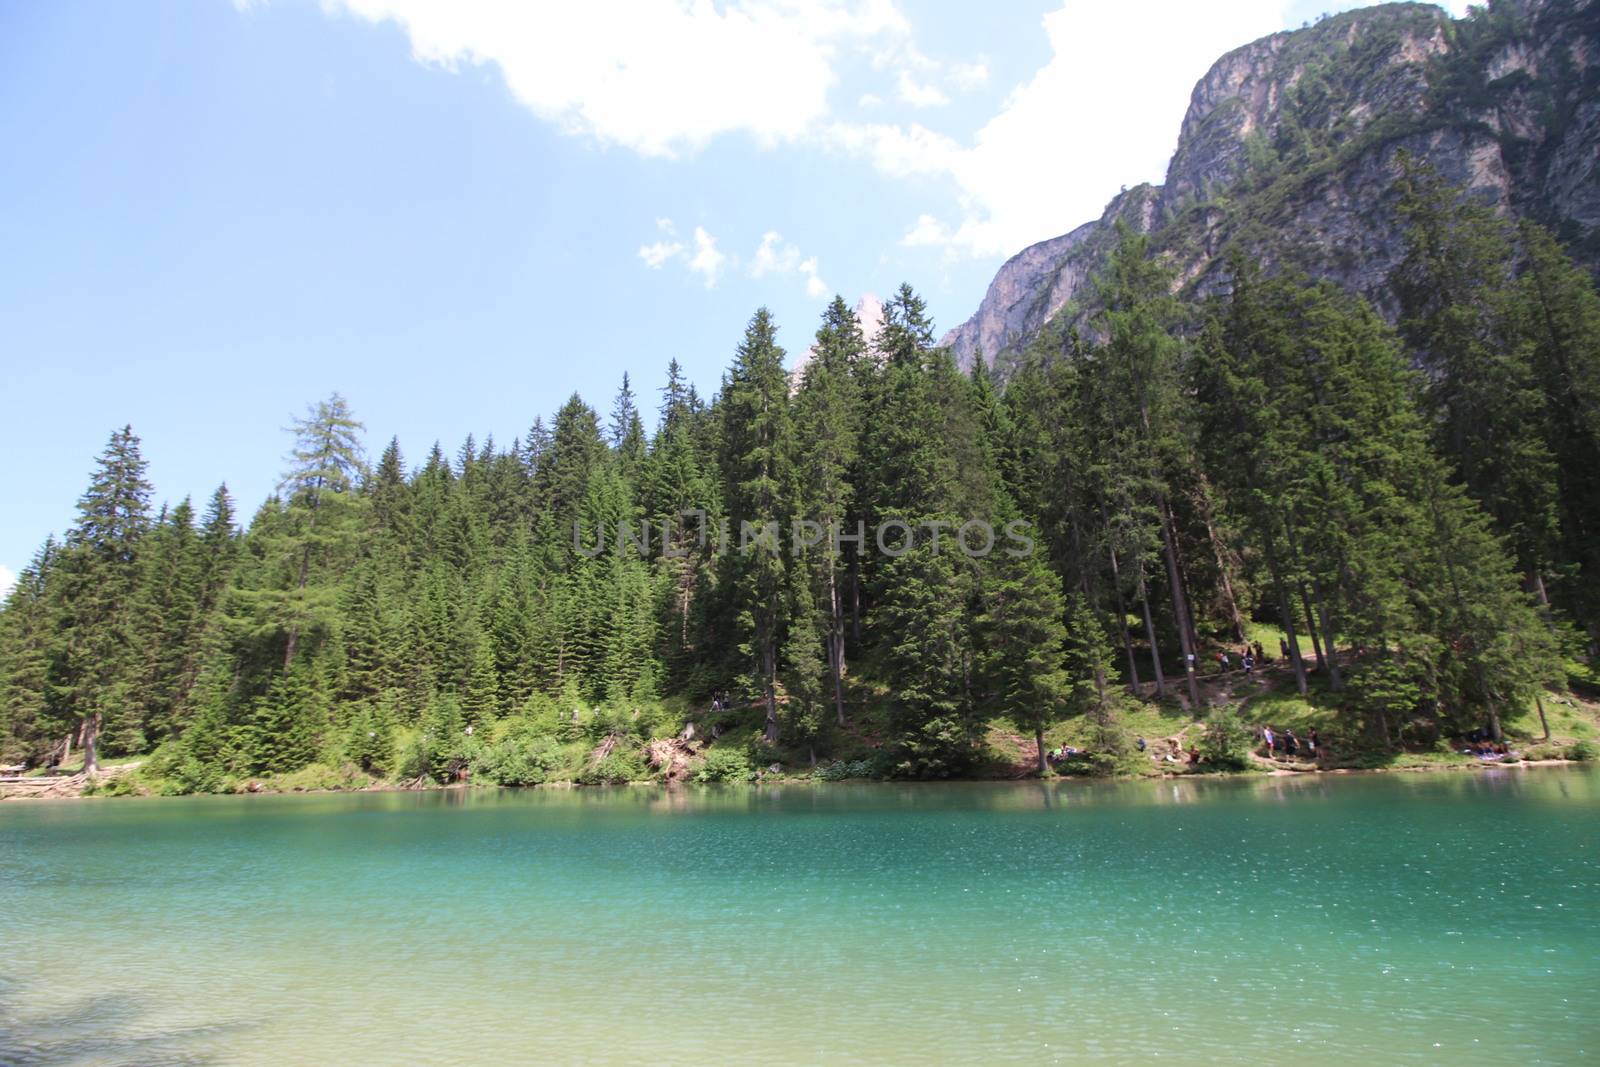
<point x="1290" y="144"/>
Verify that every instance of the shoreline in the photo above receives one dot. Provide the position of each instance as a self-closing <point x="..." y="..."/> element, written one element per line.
<point x="73" y="788"/>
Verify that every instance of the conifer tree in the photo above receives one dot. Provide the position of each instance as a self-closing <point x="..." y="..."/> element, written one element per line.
<point x="93" y="656"/>
<point x="1023" y="643"/>
<point x="828" y="410"/>
<point x="756" y="456"/>
<point x="1482" y="392"/>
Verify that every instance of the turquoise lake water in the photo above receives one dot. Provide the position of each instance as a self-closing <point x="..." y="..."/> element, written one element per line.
<point x="1434" y="918"/>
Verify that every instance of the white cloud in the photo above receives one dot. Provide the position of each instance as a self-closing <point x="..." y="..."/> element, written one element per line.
<point x="654" y="77"/>
<point x="928" y="231"/>
<point x="658" y="252"/>
<point x="969" y="75"/>
<point x="773" y="256"/>
<point x="816" y="288"/>
<point x="1094" y="118"/>
<point x="919" y="94"/>
<point x="1083" y="125"/>
<point x="8" y="579"/>
<point x="662" y="78"/>
<point x="898" y="151"/>
<point x="654" y="255"/>
<point x="706" y="261"/>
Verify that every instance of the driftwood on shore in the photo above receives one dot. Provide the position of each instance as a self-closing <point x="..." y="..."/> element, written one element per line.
<point x="670" y="758"/>
<point x="45" y="786"/>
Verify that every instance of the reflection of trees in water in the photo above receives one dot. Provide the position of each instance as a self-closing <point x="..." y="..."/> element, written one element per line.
<point x="110" y="1029"/>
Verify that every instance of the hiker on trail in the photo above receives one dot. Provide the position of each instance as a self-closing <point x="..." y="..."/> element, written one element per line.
<point x="1266" y="735"/>
<point x="1314" y="743"/>
<point x="1291" y="743"/>
<point x="1283" y="647"/>
<point x="1261" y="657"/>
<point x="1194" y="755"/>
<point x="1249" y="664"/>
<point x="1140" y="743"/>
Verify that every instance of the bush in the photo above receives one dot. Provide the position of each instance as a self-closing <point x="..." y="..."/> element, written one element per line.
<point x="725" y="765"/>
<point x="123" y="785"/>
<point x="1583" y="751"/>
<point x="840" y="770"/>
<point x="520" y="758"/>
<point x="1226" y="743"/>
<point x="619" y="768"/>
<point x="369" y="740"/>
<point x="318" y="777"/>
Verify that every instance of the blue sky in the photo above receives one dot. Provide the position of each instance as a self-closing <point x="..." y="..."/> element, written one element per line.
<point x="459" y="214"/>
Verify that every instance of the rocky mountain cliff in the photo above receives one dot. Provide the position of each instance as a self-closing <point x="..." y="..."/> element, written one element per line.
<point x="1289" y="149"/>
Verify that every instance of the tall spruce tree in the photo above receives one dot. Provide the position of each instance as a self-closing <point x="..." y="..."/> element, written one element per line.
<point x="756" y="464"/>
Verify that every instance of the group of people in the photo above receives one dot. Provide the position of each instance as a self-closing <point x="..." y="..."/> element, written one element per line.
<point x="721" y="700"/>
<point x="1289" y="745"/>
<point x="1250" y="657"/>
<point x="1173" y="754"/>
<point x="1481" y="743"/>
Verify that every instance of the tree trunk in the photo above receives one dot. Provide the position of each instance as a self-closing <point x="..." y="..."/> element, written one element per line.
<point x="1122" y="625"/>
<point x="305" y="574"/>
<point x="1543" y="722"/>
<point x="1180" y="608"/>
<point x="1311" y="627"/>
<point x="1038" y="738"/>
<point x="1335" y="679"/>
<point x="1494" y="723"/>
<point x="768" y="675"/>
<point x="836" y="643"/>
<point x="1290" y="637"/>
<point x="1229" y="600"/>
<point x="1155" y="649"/>
<point x="91" y="744"/>
<point x="855" y="602"/>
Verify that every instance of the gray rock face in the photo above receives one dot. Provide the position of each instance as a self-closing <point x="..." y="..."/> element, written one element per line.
<point x="1290" y="145"/>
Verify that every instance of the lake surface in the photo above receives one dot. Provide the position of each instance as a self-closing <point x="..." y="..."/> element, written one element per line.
<point x="1406" y="917"/>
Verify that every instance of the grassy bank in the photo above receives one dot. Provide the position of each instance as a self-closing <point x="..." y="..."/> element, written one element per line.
<point x="679" y="743"/>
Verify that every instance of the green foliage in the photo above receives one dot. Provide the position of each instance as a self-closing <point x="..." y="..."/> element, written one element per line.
<point x="1226" y="743"/>
<point x="619" y="768"/>
<point x="725" y="765"/>
<point x="843" y="770"/>
<point x="1271" y="466"/>
<point x="521" y="756"/>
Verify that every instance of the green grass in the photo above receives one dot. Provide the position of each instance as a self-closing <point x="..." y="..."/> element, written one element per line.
<point x="76" y="767"/>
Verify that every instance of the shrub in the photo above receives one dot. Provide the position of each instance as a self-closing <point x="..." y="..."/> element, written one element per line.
<point x="317" y="777"/>
<point x="1583" y="751"/>
<point x="1226" y="743"/>
<point x="369" y="740"/>
<point x="123" y="785"/>
<point x="840" y="770"/>
<point x="520" y="758"/>
<point x="725" y="765"/>
<point x="619" y="768"/>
